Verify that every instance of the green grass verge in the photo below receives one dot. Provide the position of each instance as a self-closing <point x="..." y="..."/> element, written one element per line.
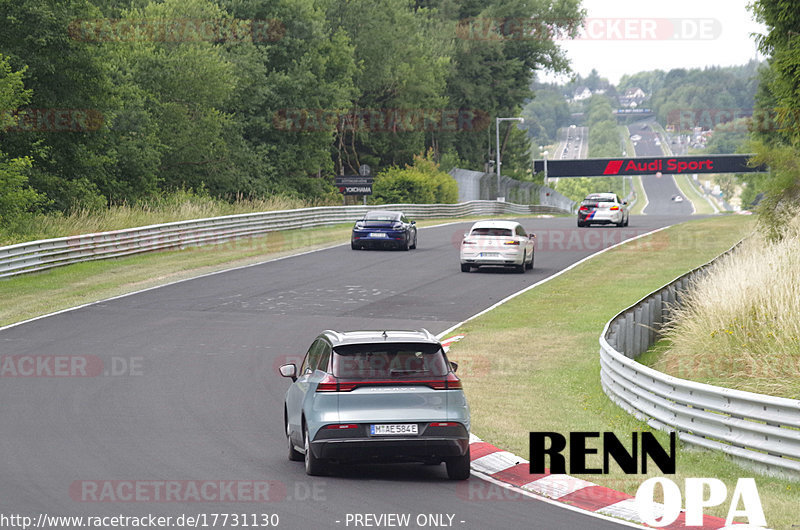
<point x="641" y="196"/>
<point x="690" y="191"/>
<point x="532" y="363"/>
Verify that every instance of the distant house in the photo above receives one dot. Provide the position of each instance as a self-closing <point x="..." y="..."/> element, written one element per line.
<point x="635" y="93"/>
<point x="632" y="98"/>
<point x="581" y="94"/>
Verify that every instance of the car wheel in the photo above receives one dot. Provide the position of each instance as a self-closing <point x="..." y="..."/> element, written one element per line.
<point x="530" y="265"/>
<point x="522" y="266"/>
<point x="314" y="465"/>
<point x="465" y="267"/>
<point x="458" y="467"/>
<point x="580" y="224"/>
<point x="414" y="246"/>
<point x="404" y="246"/>
<point x="353" y="245"/>
<point x="621" y="222"/>
<point x="294" y="454"/>
<point x="627" y="220"/>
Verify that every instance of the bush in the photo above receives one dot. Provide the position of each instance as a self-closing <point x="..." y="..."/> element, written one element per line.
<point x="422" y="183"/>
<point x="17" y="199"/>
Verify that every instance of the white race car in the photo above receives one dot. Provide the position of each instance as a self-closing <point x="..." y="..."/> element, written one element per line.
<point x="603" y="208"/>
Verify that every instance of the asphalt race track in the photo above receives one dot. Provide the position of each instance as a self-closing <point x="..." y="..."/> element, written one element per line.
<point x="659" y="190"/>
<point x="192" y="392"/>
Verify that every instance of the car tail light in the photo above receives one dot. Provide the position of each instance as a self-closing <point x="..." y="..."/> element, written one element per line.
<point x="445" y="424"/>
<point x="513" y="242"/>
<point x="451" y="382"/>
<point x="331" y="384"/>
<point x="342" y="426"/>
<point x="614" y="208"/>
<point x="584" y="208"/>
<point x="468" y="242"/>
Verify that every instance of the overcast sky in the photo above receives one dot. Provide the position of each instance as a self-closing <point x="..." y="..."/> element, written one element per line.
<point x="625" y="37"/>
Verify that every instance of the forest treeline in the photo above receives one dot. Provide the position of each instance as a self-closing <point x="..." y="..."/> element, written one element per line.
<point x="111" y="101"/>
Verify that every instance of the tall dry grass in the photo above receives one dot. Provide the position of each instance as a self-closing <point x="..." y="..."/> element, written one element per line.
<point x="740" y="325"/>
<point x="174" y="206"/>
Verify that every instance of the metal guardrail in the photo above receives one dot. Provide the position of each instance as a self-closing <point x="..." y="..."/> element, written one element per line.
<point x="762" y="430"/>
<point x="48" y="253"/>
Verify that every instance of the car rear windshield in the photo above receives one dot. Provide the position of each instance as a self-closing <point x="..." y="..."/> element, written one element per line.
<point x="500" y="232"/>
<point x="598" y="199"/>
<point x="388" y="361"/>
<point x="380" y="217"/>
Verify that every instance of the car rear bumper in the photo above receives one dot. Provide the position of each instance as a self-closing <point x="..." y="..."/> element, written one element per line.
<point x="357" y="444"/>
<point x="391" y="239"/>
<point x="502" y="259"/>
<point x="390" y="448"/>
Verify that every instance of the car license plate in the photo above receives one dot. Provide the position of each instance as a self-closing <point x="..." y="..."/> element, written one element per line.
<point x="489" y="254"/>
<point x="378" y="234"/>
<point x="393" y="429"/>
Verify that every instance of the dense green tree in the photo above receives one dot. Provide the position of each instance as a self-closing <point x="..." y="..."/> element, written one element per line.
<point x="545" y="114"/>
<point x="69" y="80"/>
<point x="779" y="95"/>
<point x="493" y="63"/>
<point x="16" y="197"/>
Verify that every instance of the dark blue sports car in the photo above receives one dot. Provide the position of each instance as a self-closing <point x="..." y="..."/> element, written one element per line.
<point x="384" y="229"/>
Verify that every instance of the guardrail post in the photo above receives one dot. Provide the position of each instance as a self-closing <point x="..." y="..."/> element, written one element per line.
<point x="658" y="315"/>
<point x="628" y="351"/>
<point x="637" y="333"/>
<point x="613" y="336"/>
<point x="651" y="321"/>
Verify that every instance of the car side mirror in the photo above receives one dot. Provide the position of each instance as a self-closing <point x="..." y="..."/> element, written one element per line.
<point x="454" y="365"/>
<point x="413" y="222"/>
<point x="289" y="370"/>
<point x="624" y="203"/>
<point x="531" y="236"/>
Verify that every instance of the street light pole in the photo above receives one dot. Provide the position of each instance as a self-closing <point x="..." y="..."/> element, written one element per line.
<point x="497" y="133"/>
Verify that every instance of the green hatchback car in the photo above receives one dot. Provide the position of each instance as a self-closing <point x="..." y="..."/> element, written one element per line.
<point x="379" y="396"/>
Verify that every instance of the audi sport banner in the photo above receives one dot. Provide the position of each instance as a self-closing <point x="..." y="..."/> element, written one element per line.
<point x="668" y="165"/>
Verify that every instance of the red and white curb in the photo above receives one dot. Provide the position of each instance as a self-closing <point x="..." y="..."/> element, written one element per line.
<point x="510" y="469"/>
<point x="449" y="341"/>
